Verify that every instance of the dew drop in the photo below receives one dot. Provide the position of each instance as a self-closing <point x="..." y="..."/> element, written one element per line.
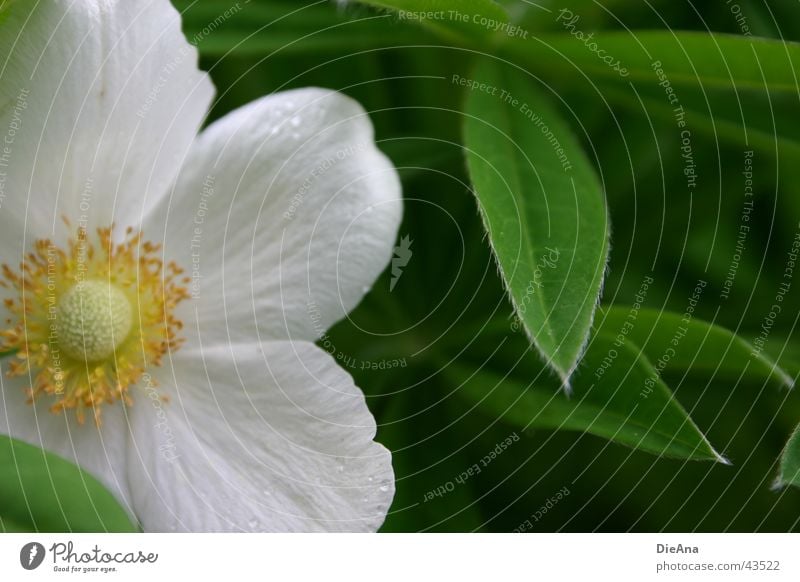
<point x="383" y="488"/>
<point x="295" y="121"/>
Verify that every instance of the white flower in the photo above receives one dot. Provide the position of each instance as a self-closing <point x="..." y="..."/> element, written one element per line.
<point x="172" y="355"/>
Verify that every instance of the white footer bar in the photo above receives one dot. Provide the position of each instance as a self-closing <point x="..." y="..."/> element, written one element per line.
<point x="413" y="557"/>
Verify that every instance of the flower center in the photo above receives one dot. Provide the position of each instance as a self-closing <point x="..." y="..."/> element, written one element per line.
<point x="93" y="318"/>
<point x="88" y="320"/>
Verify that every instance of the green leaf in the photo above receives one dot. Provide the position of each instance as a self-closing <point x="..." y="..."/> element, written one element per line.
<point x="618" y="395"/>
<point x="346" y="40"/>
<point x="790" y="461"/>
<point x="8" y="525"/>
<point x="689" y="59"/>
<point x="284" y="28"/>
<point x="5" y="8"/>
<point x="677" y="343"/>
<point x="42" y="492"/>
<point x="543" y="208"/>
<point x="749" y="117"/>
<point x="458" y="20"/>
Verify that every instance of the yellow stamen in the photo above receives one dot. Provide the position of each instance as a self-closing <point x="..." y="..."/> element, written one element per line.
<point x="91" y="318"/>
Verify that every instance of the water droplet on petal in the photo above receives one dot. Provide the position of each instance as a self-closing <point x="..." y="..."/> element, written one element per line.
<point x="383" y="488"/>
<point x="295" y="121"/>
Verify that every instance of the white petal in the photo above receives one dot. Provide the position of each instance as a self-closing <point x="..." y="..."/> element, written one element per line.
<point x="100" y="451"/>
<point x="284" y="213"/>
<point x="270" y="438"/>
<point x="100" y="101"/>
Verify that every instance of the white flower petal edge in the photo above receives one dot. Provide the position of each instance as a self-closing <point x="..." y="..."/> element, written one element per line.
<point x="101" y="451"/>
<point x="257" y="438"/>
<point x="285" y="212"/>
<point x="101" y="100"/>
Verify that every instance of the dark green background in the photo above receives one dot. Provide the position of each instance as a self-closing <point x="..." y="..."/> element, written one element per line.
<point x="450" y="289"/>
